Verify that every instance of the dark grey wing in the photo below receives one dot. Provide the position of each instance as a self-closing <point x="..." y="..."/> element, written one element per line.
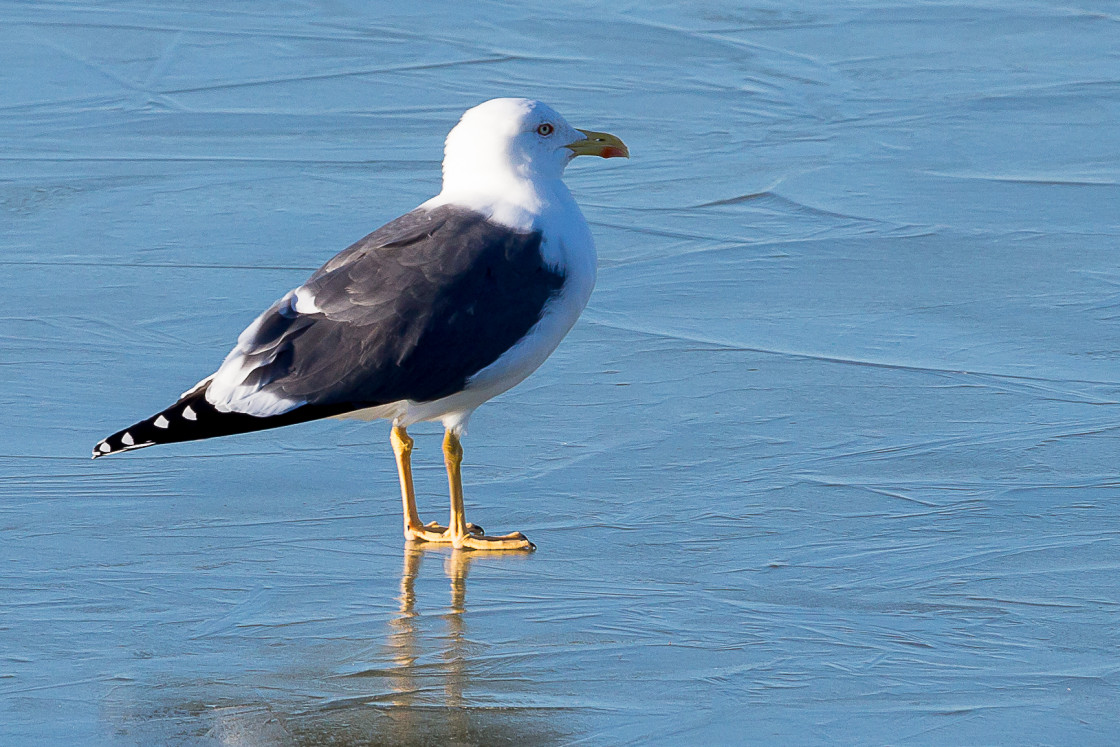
<point x="406" y="229"/>
<point x="410" y="312"/>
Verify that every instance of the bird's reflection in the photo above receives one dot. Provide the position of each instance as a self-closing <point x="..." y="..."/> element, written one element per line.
<point x="420" y="712"/>
<point x="423" y="684"/>
<point x="405" y="633"/>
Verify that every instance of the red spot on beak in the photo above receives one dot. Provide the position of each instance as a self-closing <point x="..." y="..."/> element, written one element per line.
<point x="611" y="151"/>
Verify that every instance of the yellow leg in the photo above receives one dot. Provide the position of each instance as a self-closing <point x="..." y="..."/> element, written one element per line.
<point x="457" y="531"/>
<point x="453" y="458"/>
<point x="402" y="449"/>
<point x="413" y="529"/>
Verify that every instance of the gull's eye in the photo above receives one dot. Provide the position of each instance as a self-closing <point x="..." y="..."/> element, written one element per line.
<point x="545" y="129"/>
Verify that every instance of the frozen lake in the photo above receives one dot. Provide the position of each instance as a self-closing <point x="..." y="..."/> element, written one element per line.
<point x="831" y="456"/>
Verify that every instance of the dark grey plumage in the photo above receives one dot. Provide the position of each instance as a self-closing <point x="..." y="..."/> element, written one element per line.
<point x="411" y="311"/>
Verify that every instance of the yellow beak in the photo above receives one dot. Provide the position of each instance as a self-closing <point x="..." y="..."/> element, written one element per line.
<point x="602" y="144"/>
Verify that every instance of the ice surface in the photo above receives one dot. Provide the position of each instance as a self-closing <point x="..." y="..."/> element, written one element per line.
<point x="832" y="456"/>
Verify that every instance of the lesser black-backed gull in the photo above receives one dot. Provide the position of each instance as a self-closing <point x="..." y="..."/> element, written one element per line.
<point x="427" y="317"/>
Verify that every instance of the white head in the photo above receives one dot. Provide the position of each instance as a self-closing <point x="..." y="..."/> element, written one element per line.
<point x="504" y="145"/>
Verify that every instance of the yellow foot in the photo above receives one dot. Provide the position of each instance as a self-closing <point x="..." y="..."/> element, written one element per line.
<point x="435" y="532"/>
<point x="511" y="541"/>
<point x="475" y="540"/>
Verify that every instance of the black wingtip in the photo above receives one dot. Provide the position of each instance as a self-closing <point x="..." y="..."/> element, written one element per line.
<point x="122" y="441"/>
<point x="192" y="418"/>
<point x="154" y="430"/>
<point x="102" y="448"/>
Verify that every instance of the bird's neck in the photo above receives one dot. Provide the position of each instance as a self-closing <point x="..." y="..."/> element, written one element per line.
<point x="506" y="198"/>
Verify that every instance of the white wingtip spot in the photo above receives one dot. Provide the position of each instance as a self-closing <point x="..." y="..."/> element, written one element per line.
<point x="127" y="439"/>
<point x="189" y="414"/>
<point x="161" y="422"/>
<point x="104" y="447"/>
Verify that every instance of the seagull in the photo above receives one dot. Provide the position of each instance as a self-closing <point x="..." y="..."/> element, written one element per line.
<point x="427" y="317"/>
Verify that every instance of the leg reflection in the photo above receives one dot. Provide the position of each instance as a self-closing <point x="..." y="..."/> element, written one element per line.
<point x="403" y="638"/>
<point x="456" y="566"/>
